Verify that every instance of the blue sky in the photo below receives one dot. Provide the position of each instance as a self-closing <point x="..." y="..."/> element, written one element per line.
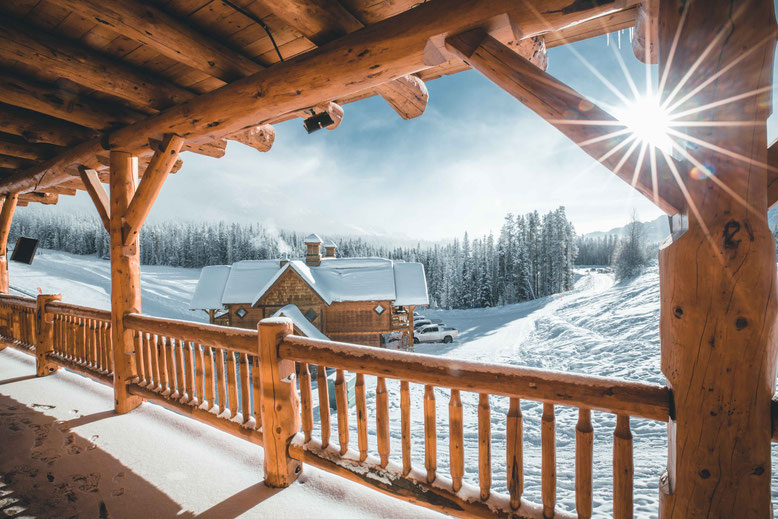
<point x="474" y="155"/>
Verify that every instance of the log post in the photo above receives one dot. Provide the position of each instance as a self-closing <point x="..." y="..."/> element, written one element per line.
<point x="125" y="279"/>
<point x="44" y="335"/>
<point x="6" y="216"/>
<point x="718" y="278"/>
<point x="280" y="404"/>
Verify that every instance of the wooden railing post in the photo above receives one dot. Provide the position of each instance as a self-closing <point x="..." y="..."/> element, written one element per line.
<point x="44" y="335"/>
<point x="16" y="328"/>
<point x="280" y="404"/>
<point x="125" y="280"/>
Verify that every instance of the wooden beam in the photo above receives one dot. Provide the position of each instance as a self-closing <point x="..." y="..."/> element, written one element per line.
<point x="38" y="128"/>
<point x="258" y="137"/>
<point x="6" y="217"/>
<point x="645" y="41"/>
<point x="150" y="186"/>
<point x="358" y="61"/>
<point x="85" y="67"/>
<point x="12" y="147"/>
<point x="165" y="34"/>
<point x="60" y="190"/>
<point x="14" y="162"/>
<point x="98" y="195"/>
<point x="406" y="95"/>
<point x="717" y="280"/>
<point x="567" y="110"/>
<point x="68" y="106"/>
<point x="40" y="197"/>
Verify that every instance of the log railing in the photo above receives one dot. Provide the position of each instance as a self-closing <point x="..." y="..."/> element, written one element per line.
<point x="239" y="380"/>
<point x="205" y="371"/>
<point x="17" y="320"/>
<point x="448" y="493"/>
<point x="81" y="339"/>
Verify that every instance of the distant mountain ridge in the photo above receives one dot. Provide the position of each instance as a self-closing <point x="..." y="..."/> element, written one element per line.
<point x="657" y="230"/>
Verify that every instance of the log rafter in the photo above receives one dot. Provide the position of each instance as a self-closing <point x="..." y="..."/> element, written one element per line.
<point x="570" y="112"/>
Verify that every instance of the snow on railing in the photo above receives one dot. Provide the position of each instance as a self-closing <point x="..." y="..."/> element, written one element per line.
<point x="427" y="487"/>
<point x="208" y="372"/>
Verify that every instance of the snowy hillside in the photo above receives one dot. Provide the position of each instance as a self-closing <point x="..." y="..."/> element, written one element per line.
<point x="86" y="280"/>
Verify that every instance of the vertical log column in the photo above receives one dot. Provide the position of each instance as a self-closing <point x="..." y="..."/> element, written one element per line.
<point x="125" y="279"/>
<point x="280" y="404"/>
<point x="6" y="216"/>
<point x="44" y="335"/>
<point x="718" y="279"/>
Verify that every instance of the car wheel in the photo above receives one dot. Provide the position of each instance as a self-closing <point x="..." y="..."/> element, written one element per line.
<point x="415" y="340"/>
<point x="447" y="339"/>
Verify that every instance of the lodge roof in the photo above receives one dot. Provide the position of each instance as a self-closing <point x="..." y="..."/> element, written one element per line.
<point x="334" y="280"/>
<point x="81" y="77"/>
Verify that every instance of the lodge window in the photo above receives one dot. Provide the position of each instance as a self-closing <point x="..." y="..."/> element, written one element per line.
<point x="379" y="309"/>
<point x="241" y="312"/>
<point x="311" y="315"/>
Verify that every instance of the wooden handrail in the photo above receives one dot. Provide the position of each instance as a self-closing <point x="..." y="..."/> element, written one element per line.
<point x="604" y="394"/>
<point x="83" y="312"/>
<point x="234" y="339"/>
<point x="27" y="302"/>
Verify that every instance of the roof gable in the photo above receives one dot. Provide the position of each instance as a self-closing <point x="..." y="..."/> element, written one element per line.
<point x="301" y="271"/>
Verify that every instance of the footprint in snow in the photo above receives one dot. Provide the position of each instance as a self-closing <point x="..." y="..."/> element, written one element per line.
<point x="86" y="482"/>
<point x="44" y="406"/>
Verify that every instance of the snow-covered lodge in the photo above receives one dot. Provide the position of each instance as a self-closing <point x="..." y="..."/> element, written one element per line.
<point x="366" y="301"/>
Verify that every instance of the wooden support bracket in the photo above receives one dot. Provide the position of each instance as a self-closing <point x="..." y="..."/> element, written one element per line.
<point x="154" y="177"/>
<point x="589" y="126"/>
<point x="97" y="193"/>
<point x="259" y="137"/>
<point x="407" y="95"/>
<point x="6" y="216"/>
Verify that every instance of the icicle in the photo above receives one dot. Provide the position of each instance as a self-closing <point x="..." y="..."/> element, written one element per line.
<point x="631" y="34"/>
<point x="619" y="33"/>
<point x="608" y="39"/>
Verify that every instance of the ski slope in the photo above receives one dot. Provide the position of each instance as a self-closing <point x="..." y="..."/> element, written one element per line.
<point x="601" y="328"/>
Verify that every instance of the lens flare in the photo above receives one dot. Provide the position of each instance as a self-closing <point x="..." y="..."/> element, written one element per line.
<point x="648" y="121"/>
<point x="701" y="172"/>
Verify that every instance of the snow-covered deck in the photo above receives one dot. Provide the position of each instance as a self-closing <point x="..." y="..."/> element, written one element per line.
<point x="65" y="453"/>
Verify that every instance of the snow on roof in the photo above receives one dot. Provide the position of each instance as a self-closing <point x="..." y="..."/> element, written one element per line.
<point x="312" y="238"/>
<point x="410" y="284"/>
<point x="357" y="279"/>
<point x="246" y="279"/>
<point x="330" y="244"/>
<point x="334" y="280"/>
<point x="210" y="287"/>
<point x="301" y="322"/>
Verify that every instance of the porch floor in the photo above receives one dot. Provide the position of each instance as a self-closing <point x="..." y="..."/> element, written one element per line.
<point x="64" y="453"/>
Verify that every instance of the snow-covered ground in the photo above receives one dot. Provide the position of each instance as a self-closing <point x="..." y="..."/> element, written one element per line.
<point x="601" y="327"/>
<point x="86" y="280"/>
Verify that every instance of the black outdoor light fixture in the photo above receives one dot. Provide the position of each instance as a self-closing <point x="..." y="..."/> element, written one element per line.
<point x="317" y="122"/>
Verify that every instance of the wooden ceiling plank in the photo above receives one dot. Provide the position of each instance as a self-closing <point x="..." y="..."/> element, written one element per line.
<point x="358" y="61"/>
<point x="167" y="35"/>
<point x="14" y="162"/>
<point x="558" y="104"/>
<point x="87" y="68"/>
<point x="63" y="105"/>
<point x="322" y="21"/>
<point x="38" y="128"/>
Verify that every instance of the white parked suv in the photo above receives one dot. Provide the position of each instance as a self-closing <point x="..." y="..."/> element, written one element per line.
<point x="434" y="333"/>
